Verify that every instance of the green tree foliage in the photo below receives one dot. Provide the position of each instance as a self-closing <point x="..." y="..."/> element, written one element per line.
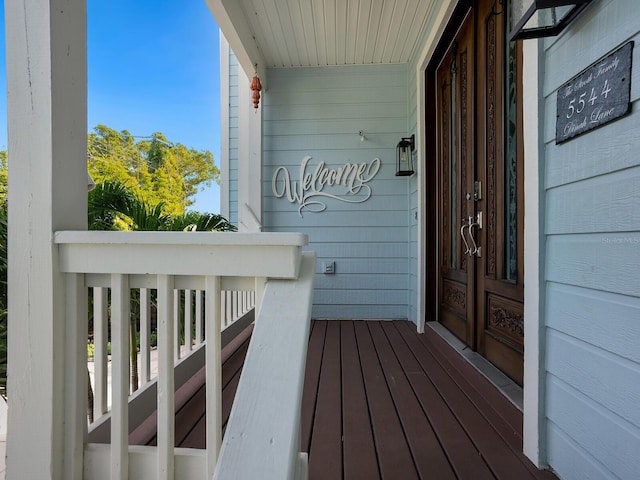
<point x="141" y="185"/>
<point x="112" y="206"/>
<point x="153" y="169"/>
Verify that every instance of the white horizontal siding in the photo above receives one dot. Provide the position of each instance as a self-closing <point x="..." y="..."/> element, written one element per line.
<point x="600" y="261"/>
<point x="592" y="243"/>
<point x="600" y="319"/>
<point x="607" y="379"/>
<point x="318" y="113"/>
<point x="603" y="439"/>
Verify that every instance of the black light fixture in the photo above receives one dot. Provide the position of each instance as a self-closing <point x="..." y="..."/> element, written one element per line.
<point x="404" y="157"/>
<point x="542" y="18"/>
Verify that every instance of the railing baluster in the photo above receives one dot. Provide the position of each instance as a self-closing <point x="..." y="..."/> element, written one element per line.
<point x="166" y="421"/>
<point x="188" y="320"/>
<point x="120" y="310"/>
<point x="100" y="339"/>
<point x="213" y="373"/>
<point x="235" y="306"/>
<point x="198" y="317"/>
<point x="176" y="324"/>
<point x="228" y="315"/>
<point x="145" y="331"/>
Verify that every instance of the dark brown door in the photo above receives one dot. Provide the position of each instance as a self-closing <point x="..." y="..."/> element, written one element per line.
<point x="480" y="189"/>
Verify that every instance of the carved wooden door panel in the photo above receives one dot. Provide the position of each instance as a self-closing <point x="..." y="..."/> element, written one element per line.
<point x="455" y="120"/>
<point x="500" y="289"/>
<point x="480" y="183"/>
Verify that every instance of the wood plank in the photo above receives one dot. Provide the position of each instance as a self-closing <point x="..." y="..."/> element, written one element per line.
<point x="311" y="378"/>
<point x="196" y="436"/>
<point x="491" y="446"/>
<point x="394" y="458"/>
<point x="499" y="411"/>
<point x="193" y="411"/>
<point x="504" y="417"/>
<point x="428" y="455"/>
<point x="233" y="359"/>
<point x="375" y="390"/>
<point x="463" y="455"/>
<point x="360" y="460"/>
<point x="233" y="365"/>
<point x="325" y="454"/>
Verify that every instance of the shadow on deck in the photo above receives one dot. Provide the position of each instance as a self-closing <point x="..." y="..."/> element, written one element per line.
<point x="382" y="402"/>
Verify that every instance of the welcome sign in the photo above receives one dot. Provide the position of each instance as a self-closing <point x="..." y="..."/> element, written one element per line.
<point x="348" y="183"/>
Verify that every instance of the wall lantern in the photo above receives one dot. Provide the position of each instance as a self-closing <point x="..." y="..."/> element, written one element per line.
<point x="404" y="157"/>
<point x="542" y="18"/>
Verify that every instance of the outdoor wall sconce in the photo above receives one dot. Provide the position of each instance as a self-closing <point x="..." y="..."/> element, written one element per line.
<point x="542" y="18"/>
<point x="404" y="157"/>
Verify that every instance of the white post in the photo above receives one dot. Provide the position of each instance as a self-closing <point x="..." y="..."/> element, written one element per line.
<point x="166" y="383"/>
<point x="46" y="104"/>
<point x="76" y="376"/>
<point x="213" y="373"/>
<point x="534" y="364"/>
<point x="249" y="159"/>
<point x="120" y="318"/>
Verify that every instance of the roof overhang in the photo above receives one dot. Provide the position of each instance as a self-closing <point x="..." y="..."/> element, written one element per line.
<point x="315" y="33"/>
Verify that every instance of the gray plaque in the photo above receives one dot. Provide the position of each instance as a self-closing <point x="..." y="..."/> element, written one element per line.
<point x="595" y="97"/>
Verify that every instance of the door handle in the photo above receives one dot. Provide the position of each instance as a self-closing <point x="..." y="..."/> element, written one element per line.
<point x="466" y="244"/>
<point x="475" y="250"/>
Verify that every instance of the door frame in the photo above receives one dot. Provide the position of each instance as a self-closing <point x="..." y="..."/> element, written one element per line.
<point x="533" y="414"/>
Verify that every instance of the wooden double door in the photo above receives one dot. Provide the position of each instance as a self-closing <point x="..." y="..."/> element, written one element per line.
<point x="480" y="187"/>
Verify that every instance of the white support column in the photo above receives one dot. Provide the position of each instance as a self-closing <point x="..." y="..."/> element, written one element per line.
<point x="76" y="376"/>
<point x="249" y="158"/>
<point x="534" y="338"/>
<point x="46" y="104"/>
<point x="224" y="126"/>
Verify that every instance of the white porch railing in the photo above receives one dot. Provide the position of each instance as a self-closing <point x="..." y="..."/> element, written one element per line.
<point x="166" y="262"/>
<point x="188" y="320"/>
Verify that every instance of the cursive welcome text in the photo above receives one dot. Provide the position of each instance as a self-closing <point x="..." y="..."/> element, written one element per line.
<point x="351" y="181"/>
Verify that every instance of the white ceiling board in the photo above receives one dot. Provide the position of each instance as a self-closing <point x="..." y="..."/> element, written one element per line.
<point x="299" y="33"/>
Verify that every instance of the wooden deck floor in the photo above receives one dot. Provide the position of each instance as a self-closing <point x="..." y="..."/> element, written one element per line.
<point x="382" y="402"/>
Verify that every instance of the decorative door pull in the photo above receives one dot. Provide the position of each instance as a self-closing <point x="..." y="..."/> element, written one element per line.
<point x="466" y="244"/>
<point x="475" y="250"/>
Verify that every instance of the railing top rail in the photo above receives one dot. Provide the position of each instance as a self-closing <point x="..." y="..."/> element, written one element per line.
<point x="90" y="237"/>
<point x="262" y="439"/>
<point x="273" y="255"/>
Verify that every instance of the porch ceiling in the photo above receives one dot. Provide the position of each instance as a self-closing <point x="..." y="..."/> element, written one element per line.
<point x="310" y="33"/>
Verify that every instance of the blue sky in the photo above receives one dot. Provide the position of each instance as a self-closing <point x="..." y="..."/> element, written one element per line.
<point x="153" y="66"/>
